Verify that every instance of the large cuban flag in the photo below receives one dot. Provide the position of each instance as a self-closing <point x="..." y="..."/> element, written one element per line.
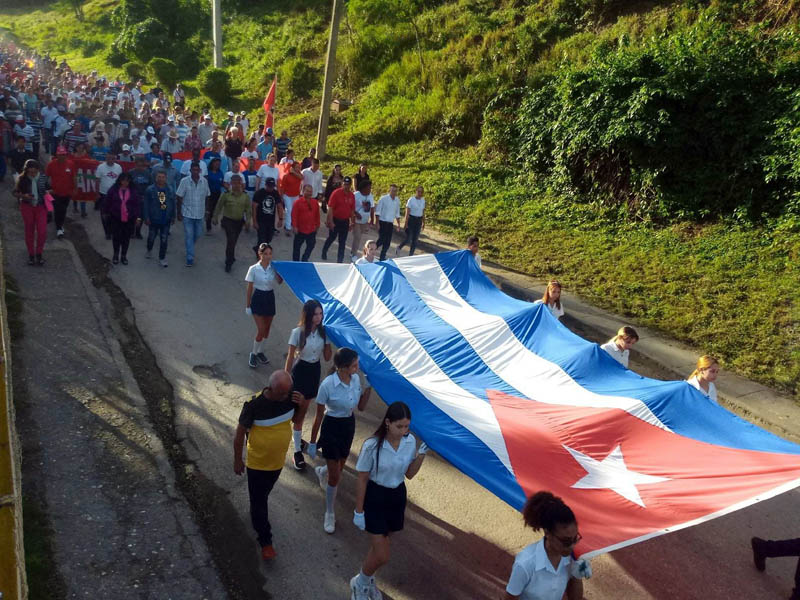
<point x="512" y="398"/>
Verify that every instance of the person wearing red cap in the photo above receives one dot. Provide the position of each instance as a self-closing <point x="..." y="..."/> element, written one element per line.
<point x="61" y="184"/>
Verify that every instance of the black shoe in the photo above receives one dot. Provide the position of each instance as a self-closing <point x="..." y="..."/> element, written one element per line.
<point x="31" y="260"/>
<point x="324" y="256"/>
<point x="252" y="361"/>
<point x="759" y="560"/>
<point x="139" y="236"/>
<point x="39" y="260"/>
<point x="124" y="260"/>
<point x="299" y="461"/>
<point x="303" y="445"/>
<point x="325" y="206"/>
<point x="262" y="358"/>
<point x="115" y="260"/>
<point x="227" y="268"/>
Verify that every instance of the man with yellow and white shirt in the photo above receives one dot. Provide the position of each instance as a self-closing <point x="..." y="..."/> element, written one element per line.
<point x="265" y="421"/>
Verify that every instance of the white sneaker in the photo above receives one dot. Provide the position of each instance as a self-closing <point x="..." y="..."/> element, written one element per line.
<point x="322" y="475"/>
<point x="60" y="233"/>
<point x="329" y="524"/>
<point x="358" y="592"/>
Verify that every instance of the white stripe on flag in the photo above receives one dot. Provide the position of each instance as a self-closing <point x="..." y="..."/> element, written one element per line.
<point x="410" y="359"/>
<point x="493" y="340"/>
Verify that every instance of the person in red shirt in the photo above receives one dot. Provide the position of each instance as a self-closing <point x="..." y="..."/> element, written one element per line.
<point x="341" y="211"/>
<point x="61" y="184"/>
<point x="305" y="222"/>
<point x="290" y="180"/>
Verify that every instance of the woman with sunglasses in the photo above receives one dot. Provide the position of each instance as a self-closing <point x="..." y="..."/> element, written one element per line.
<point x="532" y="578"/>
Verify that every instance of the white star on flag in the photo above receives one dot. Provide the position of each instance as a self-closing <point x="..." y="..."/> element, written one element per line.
<point x="611" y="473"/>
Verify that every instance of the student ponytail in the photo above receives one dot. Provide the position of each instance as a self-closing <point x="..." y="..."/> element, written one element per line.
<point x="395" y="412"/>
<point x="544" y="511"/>
<point x="704" y="362"/>
<point x="626" y="333"/>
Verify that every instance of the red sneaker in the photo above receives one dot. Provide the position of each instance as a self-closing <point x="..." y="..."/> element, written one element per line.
<point x="268" y="552"/>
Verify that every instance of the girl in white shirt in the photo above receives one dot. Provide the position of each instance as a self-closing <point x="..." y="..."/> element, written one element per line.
<point x="704" y="376"/>
<point x="308" y="344"/>
<point x="339" y="395"/>
<point x="546" y="570"/>
<point x="386" y="460"/>
<point x="620" y="345"/>
<point x="261" y="280"/>
<point x="552" y="299"/>
<point x="415" y="221"/>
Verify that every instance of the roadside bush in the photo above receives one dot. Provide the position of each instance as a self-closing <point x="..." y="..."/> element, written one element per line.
<point x="299" y="79"/>
<point x="145" y="40"/>
<point x="163" y="70"/>
<point x="216" y="84"/>
<point x="115" y="57"/>
<point x="133" y="70"/>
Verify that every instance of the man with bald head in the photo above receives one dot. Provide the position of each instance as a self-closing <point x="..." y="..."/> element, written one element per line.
<point x="265" y="422"/>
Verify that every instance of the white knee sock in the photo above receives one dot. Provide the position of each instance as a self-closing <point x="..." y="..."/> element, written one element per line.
<point x="330" y="497"/>
<point x="296" y="439"/>
<point x="256" y="347"/>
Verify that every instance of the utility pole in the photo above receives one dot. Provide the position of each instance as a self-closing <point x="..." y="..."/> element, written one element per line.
<point x="327" y="88"/>
<point x="216" y="28"/>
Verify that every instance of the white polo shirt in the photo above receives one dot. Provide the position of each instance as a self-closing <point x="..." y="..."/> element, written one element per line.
<point x="533" y="576"/>
<point x="261" y="278"/>
<point x="388" y="208"/>
<point x="265" y="171"/>
<point x="362" y="213"/>
<point x="415" y="206"/>
<point x="339" y="398"/>
<point x="392" y="464"/>
<point x="712" y="389"/>
<point x="621" y="356"/>
<point x="187" y="166"/>
<point x="312" y="351"/>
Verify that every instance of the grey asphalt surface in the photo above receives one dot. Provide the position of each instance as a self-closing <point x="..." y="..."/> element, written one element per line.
<point x="459" y="540"/>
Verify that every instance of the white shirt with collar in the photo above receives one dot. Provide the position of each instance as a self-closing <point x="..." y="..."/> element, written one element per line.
<point x="621" y="356"/>
<point x="712" y="389"/>
<point x="556" y="311"/>
<point x="340" y="399"/>
<point x="362" y="213"/>
<point x="388" y="208"/>
<point x="186" y="167"/>
<point x="415" y="206"/>
<point x="312" y="351"/>
<point x="314" y="179"/>
<point x="265" y="171"/>
<point x="391" y="464"/>
<point x="262" y="278"/>
<point x="193" y="195"/>
<point x="533" y="576"/>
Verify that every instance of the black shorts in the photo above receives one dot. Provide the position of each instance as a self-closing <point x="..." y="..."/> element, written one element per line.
<point x="306" y="378"/>
<point x="337" y="437"/>
<point x="384" y="508"/>
<point x="263" y="303"/>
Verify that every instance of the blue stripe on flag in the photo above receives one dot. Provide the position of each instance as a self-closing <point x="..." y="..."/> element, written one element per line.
<point x="454" y="442"/>
<point x="678" y="405"/>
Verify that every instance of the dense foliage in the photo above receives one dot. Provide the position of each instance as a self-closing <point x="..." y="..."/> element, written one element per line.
<point x="216" y="84"/>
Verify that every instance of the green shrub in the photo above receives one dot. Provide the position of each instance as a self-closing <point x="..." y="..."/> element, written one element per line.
<point x="145" y="40"/>
<point x="299" y="79"/>
<point x="216" y="84"/>
<point x="133" y="70"/>
<point x="115" y="57"/>
<point x="164" y="71"/>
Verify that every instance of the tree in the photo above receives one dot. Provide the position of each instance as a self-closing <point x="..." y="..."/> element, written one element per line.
<point x="77" y="6"/>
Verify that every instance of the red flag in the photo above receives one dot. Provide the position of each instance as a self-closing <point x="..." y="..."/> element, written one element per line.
<point x="269" y="103"/>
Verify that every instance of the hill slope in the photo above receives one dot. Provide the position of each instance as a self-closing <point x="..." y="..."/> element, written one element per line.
<point x="645" y="153"/>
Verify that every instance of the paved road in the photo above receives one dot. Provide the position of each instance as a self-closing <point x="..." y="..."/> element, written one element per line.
<point x="460" y="540"/>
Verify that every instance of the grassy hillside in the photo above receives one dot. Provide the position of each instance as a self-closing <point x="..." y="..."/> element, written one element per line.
<point x="558" y="130"/>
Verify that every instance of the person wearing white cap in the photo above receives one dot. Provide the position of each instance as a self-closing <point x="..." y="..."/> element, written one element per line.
<point x="182" y="129"/>
<point x="205" y="129"/>
<point x="99" y="135"/>
<point x="245" y="123"/>
<point x="125" y="155"/>
<point x="228" y="122"/>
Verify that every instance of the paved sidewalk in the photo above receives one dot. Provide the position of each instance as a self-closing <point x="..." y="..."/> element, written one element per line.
<point x="119" y="528"/>
<point x="756" y="402"/>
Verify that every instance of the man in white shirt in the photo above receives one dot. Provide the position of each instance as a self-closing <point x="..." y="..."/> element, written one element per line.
<point x="191" y="195"/>
<point x="370" y="248"/>
<point x="49" y="113"/>
<point x="388" y="210"/>
<point x="415" y="220"/>
<point x="171" y="143"/>
<point x="472" y="246"/>
<point x="205" y="129"/>
<point x="182" y="129"/>
<point x="106" y="174"/>
<point x="364" y="217"/>
<point x="269" y="170"/>
<point x="313" y="177"/>
<point x="187" y="165"/>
